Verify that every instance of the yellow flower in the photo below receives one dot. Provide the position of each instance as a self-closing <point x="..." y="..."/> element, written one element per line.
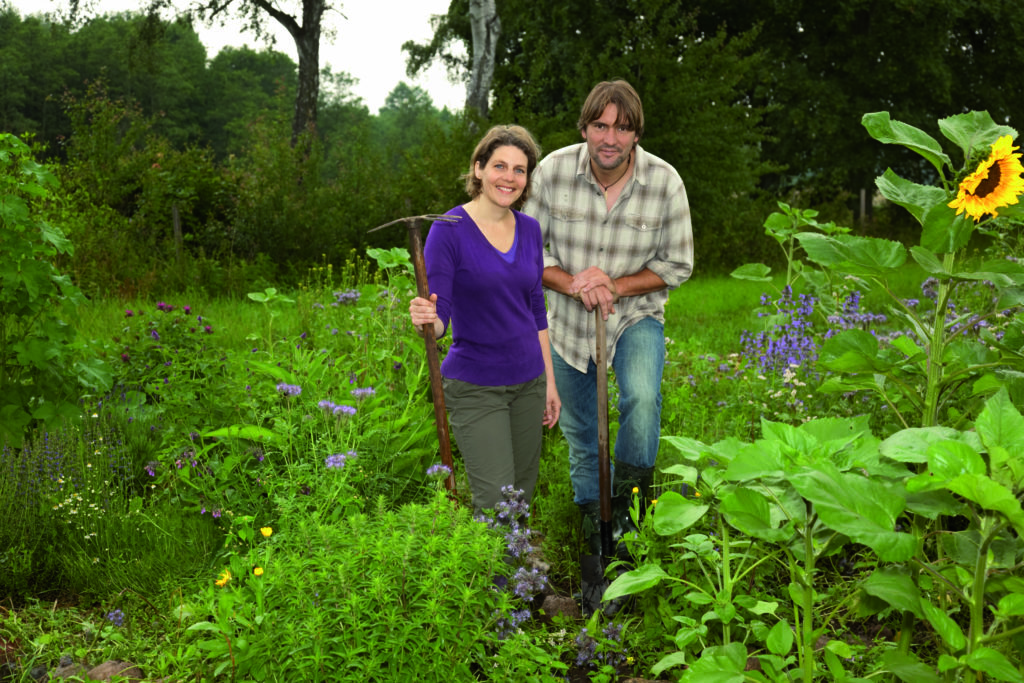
<point x="266" y="531"/>
<point x="995" y="183"/>
<point x="697" y="494"/>
<point x="654" y="501"/>
<point x="258" y="571"/>
<point x="224" y="578"/>
<point x="636" y="490"/>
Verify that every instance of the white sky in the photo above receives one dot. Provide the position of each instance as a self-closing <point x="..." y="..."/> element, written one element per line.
<point x="367" y="43"/>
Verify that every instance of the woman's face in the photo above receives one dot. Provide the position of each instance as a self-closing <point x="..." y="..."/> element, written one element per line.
<point x="504" y="177"/>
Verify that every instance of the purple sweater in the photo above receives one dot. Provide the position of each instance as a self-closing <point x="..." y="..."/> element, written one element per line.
<point x="495" y="307"/>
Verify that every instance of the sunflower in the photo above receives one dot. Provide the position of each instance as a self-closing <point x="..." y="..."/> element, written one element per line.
<point x="995" y="183"/>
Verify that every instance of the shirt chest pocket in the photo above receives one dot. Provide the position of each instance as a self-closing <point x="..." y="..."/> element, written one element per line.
<point x="643" y="223"/>
<point x="567" y="214"/>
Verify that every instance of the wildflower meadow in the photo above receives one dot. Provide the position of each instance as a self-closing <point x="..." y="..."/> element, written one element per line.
<point x="251" y="490"/>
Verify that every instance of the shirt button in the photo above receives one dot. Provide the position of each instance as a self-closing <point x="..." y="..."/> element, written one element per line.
<point x="643" y="227"/>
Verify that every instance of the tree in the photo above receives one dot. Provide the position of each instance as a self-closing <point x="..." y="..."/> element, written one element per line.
<point x="305" y="27"/>
<point x="486" y="25"/>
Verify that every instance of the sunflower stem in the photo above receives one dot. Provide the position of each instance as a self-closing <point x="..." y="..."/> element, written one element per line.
<point x="936" y="348"/>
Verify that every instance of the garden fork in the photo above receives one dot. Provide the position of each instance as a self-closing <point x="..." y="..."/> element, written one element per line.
<point x="433" y="361"/>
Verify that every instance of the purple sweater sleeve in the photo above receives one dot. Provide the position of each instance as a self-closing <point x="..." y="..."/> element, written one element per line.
<point x="493" y="307"/>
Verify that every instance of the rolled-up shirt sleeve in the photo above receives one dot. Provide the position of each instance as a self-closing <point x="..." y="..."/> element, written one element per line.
<point x="673" y="262"/>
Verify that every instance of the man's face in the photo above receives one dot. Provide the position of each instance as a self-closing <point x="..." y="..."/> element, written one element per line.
<point x="608" y="142"/>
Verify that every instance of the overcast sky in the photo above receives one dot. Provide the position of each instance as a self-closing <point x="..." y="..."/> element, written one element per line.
<point x="367" y="44"/>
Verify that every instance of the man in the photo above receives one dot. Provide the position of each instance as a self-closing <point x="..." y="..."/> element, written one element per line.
<point x="616" y="224"/>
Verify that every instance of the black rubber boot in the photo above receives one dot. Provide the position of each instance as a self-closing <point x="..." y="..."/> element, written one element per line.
<point x="592" y="581"/>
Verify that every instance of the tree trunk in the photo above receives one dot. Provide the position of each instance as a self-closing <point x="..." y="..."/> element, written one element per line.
<point x="483" y="16"/>
<point x="307" y="44"/>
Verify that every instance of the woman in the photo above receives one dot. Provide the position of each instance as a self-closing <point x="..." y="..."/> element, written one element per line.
<point x="485" y="279"/>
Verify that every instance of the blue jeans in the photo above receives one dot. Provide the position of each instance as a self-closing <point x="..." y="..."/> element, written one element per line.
<point x="638" y="364"/>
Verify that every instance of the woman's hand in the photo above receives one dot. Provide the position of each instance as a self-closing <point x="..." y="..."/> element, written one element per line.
<point x="552" y="405"/>
<point x="424" y="312"/>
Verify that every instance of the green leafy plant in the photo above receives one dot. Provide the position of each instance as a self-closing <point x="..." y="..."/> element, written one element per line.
<point x="928" y="373"/>
<point x="400" y="594"/>
<point x="41" y="376"/>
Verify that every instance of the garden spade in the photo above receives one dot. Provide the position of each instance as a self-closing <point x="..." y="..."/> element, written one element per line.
<point x="433" y="362"/>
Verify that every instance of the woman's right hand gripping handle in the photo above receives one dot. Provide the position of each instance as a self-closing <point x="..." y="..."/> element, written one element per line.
<point x="424" y="312"/>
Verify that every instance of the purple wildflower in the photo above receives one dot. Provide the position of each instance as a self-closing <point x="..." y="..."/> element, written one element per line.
<point x="438" y="471"/>
<point x="289" y="389"/>
<point x="362" y="392"/>
<point x="336" y="461"/>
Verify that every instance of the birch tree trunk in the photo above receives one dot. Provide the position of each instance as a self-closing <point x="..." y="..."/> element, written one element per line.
<point x="483" y="17"/>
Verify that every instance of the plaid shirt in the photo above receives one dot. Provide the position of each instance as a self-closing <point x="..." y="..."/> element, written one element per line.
<point x="648" y="227"/>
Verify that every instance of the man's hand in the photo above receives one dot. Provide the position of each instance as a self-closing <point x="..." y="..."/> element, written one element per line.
<point x="595" y="289"/>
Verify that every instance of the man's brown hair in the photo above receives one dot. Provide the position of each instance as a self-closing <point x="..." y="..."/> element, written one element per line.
<point x="623" y="96"/>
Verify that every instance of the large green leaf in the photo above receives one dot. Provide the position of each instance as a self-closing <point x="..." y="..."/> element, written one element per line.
<point x="1001" y="428"/>
<point x="760" y="460"/>
<point x="931" y="263"/>
<point x="911" y="445"/>
<point x="1010" y="606"/>
<point x="757" y="272"/>
<point x="852" y="351"/>
<point x="944" y="231"/>
<point x="1001" y="272"/>
<point x="993" y="663"/>
<point x="853" y="255"/>
<point x="675" y="513"/>
<point x="950" y="459"/>
<point x="792" y="437"/>
<point x="973" y="131"/>
<point x="908" y="667"/>
<point x="691" y="448"/>
<point x="863" y="509"/>
<point x="780" y="638"/>
<point x="934" y="504"/>
<point x="944" y="626"/>
<point x="882" y="128"/>
<point x="896" y="588"/>
<point x="719" y="664"/>
<point x="751" y="512"/>
<point x="990" y="495"/>
<point x="915" y="198"/>
<point x="635" y="581"/>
